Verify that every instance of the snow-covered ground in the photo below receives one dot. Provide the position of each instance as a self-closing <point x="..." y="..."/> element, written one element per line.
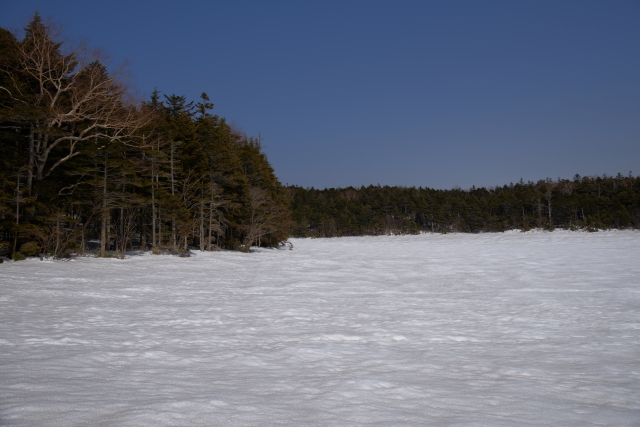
<point x="513" y="329"/>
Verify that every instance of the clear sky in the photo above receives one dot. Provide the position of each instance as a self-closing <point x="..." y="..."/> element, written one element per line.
<point x="414" y="93"/>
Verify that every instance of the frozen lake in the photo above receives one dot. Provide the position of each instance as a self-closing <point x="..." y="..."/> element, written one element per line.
<point x="512" y="329"/>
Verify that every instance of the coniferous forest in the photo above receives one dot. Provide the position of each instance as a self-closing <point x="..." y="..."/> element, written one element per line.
<point x="588" y="203"/>
<point x="87" y="168"/>
<point x="82" y="162"/>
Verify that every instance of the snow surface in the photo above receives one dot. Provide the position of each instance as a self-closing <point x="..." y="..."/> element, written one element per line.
<point x="511" y="329"/>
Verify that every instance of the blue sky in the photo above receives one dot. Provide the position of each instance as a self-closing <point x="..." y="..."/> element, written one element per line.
<point x="415" y="93"/>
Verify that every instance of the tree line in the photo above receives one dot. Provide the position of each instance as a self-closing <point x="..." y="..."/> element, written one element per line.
<point x="588" y="203"/>
<point x="85" y="165"/>
<point x="87" y="168"/>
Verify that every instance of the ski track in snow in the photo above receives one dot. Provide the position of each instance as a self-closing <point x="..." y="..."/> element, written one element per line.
<point x="511" y="329"/>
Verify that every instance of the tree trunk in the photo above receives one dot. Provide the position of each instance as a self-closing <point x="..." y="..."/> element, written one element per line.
<point x="31" y="158"/>
<point x="18" y="201"/>
<point x="42" y="142"/>
<point x="173" y="234"/>
<point x="539" y="212"/>
<point x="153" y="206"/>
<point x="173" y="192"/>
<point x="142" y="229"/>
<point x="15" y="237"/>
<point x="202" y="224"/>
<point x="105" y="212"/>
<point x="210" y="242"/>
<point x="123" y="240"/>
<point x="55" y="253"/>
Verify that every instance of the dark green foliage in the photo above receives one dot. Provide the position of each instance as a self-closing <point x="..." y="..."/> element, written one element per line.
<point x="30" y="249"/>
<point x="79" y="164"/>
<point x="588" y="203"/>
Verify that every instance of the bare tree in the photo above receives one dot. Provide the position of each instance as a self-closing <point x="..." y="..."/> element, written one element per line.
<point x="215" y="216"/>
<point x="264" y="216"/>
<point x="71" y="99"/>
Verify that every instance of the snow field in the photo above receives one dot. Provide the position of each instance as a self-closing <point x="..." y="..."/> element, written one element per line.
<point x="447" y="330"/>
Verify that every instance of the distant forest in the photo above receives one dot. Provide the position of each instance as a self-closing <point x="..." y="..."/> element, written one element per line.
<point x="588" y="203"/>
<point x="86" y="168"/>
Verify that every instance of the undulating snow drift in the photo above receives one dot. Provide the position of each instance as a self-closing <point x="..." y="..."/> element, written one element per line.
<point x="510" y="329"/>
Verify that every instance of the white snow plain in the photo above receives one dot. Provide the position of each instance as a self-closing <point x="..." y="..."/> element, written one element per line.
<point x="511" y="329"/>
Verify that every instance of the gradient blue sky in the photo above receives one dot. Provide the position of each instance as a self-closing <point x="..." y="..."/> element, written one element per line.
<point x="413" y="93"/>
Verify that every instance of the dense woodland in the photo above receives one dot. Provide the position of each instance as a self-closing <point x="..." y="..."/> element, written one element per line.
<point x="84" y="166"/>
<point x="588" y="203"/>
<point x="87" y="169"/>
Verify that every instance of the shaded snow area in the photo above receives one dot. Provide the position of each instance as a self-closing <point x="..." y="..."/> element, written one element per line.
<point x="513" y="329"/>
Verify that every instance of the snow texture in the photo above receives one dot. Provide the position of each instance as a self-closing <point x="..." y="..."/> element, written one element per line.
<point x="512" y="329"/>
